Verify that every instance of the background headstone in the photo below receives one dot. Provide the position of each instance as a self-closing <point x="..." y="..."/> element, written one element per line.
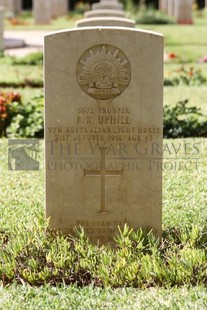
<point x="183" y="11"/>
<point x="105" y="13"/>
<point x="1" y="29"/>
<point x="163" y="5"/>
<point x="171" y="8"/>
<point x="106" y="4"/>
<point x="41" y="11"/>
<point x="16" y="6"/>
<point x="103" y="130"/>
<point x="63" y="7"/>
<point x="106" y="8"/>
<point x="54" y="8"/>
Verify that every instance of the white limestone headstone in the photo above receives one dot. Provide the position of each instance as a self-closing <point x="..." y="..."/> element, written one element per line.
<point x="103" y="130"/>
<point x="171" y="8"/>
<point x="163" y="5"/>
<point x="41" y="11"/>
<point x="183" y="11"/>
<point x="54" y="8"/>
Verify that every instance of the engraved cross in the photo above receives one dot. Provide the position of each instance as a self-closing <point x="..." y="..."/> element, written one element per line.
<point x="103" y="173"/>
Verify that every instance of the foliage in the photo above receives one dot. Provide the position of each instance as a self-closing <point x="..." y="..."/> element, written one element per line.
<point x="14" y="73"/>
<point x="138" y="260"/>
<point x="28" y="121"/>
<point x="30" y="59"/>
<point x="152" y="16"/>
<point x="183" y="121"/>
<point x="185" y="76"/>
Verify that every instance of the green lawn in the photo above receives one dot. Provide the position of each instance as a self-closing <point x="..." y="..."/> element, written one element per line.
<point x="88" y="298"/>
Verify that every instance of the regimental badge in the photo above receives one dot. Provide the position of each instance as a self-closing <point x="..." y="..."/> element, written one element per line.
<point x="103" y="72"/>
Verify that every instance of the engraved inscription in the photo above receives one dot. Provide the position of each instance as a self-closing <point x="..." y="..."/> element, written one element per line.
<point x="103" y="172"/>
<point x="103" y="72"/>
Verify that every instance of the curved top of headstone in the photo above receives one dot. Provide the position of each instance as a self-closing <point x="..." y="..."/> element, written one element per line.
<point x="106" y="21"/>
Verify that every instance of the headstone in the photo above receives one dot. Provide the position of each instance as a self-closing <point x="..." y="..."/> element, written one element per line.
<point x="12" y="6"/>
<point x="183" y="11"/>
<point x="106" y="13"/>
<point x="54" y="8"/>
<point x="163" y="5"/>
<point x="16" y="6"/>
<point x="103" y="130"/>
<point x="105" y="21"/>
<point x="106" y="8"/>
<point x="106" y="4"/>
<point x="41" y="11"/>
<point x="63" y="7"/>
<point x="171" y="8"/>
<point x="1" y="29"/>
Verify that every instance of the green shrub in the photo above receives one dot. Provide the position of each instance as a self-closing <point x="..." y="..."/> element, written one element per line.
<point x="30" y="59"/>
<point x="152" y="17"/>
<point x="137" y="259"/>
<point x="25" y="120"/>
<point x="28" y="121"/>
<point x="183" y="121"/>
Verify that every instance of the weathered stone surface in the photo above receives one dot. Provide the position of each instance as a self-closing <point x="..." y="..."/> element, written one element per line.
<point x="183" y="11"/>
<point x="103" y="130"/>
<point x="105" y="21"/>
<point x="41" y="11"/>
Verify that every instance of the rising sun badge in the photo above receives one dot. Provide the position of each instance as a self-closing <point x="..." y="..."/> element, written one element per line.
<point x="103" y="72"/>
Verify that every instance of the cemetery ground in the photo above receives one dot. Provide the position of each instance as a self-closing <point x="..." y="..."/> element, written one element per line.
<point x="36" y="266"/>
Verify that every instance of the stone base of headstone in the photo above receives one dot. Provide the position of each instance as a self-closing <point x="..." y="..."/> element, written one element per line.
<point x="106" y="21"/>
<point x="102" y="13"/>
<point x="11" y="43"/>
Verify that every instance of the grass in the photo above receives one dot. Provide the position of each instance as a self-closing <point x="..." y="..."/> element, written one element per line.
<point x="64" y="297"/>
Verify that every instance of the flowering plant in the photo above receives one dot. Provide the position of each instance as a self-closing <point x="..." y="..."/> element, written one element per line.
<point x="8" y="108"/>
<point x="185" y="76"/>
